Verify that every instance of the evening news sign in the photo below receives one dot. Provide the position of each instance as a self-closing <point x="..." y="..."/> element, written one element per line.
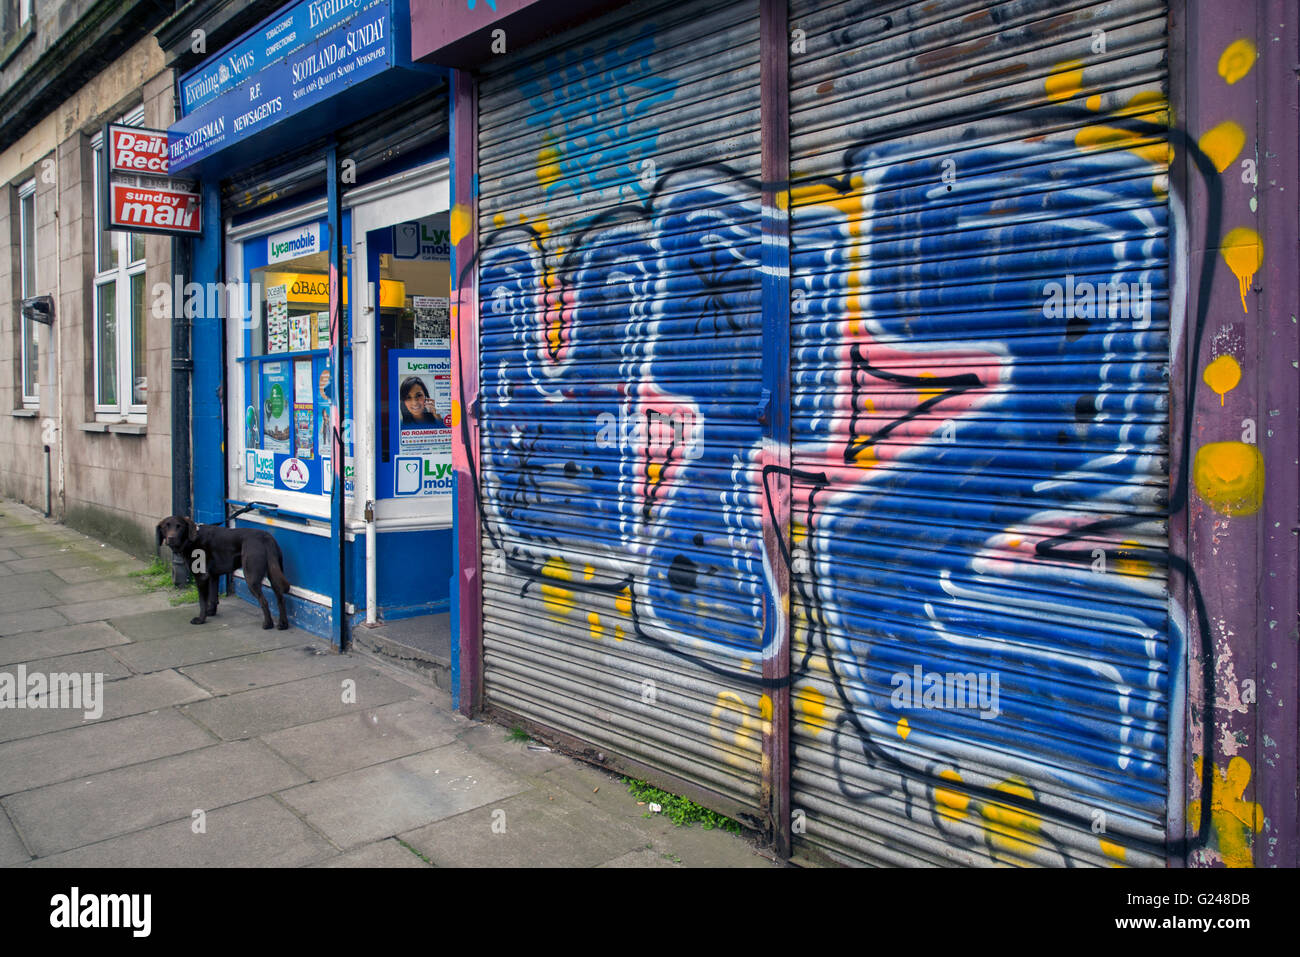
<point x="138" y="193"/>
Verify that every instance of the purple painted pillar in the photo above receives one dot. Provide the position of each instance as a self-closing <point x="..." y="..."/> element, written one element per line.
<point x="465" y="384"/>
<point x="1235" y="444"/>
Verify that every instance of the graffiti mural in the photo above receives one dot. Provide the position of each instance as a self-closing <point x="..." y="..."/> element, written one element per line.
<point x="981" y="446"/>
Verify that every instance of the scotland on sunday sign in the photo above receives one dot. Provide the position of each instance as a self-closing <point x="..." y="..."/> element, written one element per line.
<point x="137" y="192"/>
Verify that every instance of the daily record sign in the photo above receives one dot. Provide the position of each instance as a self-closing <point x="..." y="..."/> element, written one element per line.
<point x="138" y="193"/>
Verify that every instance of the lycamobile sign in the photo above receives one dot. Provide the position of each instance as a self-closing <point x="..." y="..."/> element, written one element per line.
<point x="292" y="243"/>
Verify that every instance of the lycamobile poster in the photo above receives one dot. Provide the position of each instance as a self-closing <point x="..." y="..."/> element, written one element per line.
<point x="276" y="408"/>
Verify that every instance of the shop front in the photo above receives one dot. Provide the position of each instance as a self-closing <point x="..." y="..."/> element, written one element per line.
<point x="322" y="377"/>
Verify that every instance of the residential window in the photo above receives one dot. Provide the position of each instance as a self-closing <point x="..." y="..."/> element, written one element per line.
<point x="121" y="380"/>
<point x="27" y="287"/>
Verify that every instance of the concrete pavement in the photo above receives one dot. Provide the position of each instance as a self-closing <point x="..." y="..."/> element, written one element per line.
<point x="229" y="746"/>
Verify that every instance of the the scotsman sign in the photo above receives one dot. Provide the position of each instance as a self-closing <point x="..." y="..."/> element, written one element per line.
<point x="138" y="193"/>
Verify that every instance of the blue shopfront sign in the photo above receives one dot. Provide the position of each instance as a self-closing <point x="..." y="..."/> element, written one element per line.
<point x="279" y="37"/>
<point x="355" y="57"/>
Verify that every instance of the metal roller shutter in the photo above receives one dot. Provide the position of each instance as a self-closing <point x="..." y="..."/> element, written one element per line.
<point x="620" y="356"/>
<point x="980" y="450"/>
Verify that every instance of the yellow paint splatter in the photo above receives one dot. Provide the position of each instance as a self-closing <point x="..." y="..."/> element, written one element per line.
<point x="1243" y="251"/>
<point x="903" y="728"/>
<point x="1094" y="102"/>
<point x="556" y="599"/>
<point x="1065" y="80"/>
<point x="812" y="704"/>
<point x="588" y="572"/>
<point x="624" y="601"/>
<point x="746" y="664"/>
<point x="1222" y="375"/>
<point x="729" y="701"/>
<point x="1009" y="826"/>
<point x="499" y="220"/>
<point x="594" y="627"/>
<point x="1149" y="106"/>
<point x="949" y="803"/>
<point x="461" y="220"/>
<point x="619" y="633"/>
<point x="765" y="713"/>
<point x="1237" y="59"/>
<point x="1230" y="477"/>
<point x="1223" y="144"/>
<point x="1232" y="819"/>
<point x="1111" y="849"/>
<point x="653" y="471"/>
<point x="1131" y="566"/>
<point x="455" y="412"/>
<point x="548" y="163"/>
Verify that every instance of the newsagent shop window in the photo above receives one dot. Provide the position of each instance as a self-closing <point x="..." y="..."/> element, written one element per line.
<point x="284" y="355"/>
<point x="121" y="377"/>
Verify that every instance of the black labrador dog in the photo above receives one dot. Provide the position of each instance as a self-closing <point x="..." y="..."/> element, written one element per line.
<point x="223" y="550"/>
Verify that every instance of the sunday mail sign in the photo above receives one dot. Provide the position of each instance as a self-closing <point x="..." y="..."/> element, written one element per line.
<point x="138" y="192"/>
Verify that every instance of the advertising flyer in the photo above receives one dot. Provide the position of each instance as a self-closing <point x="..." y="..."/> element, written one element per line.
<point x="432" y="322"/>
<point x="277" y="318"/>
<point x="300" y="332"/>
<point x="276" y="407"/>
<point x="304" y="431"/>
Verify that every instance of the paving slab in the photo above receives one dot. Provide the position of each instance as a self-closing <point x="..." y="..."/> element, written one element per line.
<point x="99" y="589"/>
<point x="134" y="695"/>
<point x="68" y="559"/>
<point x="87" y="810"/>
<point x="41" y="546"/>
<point x="47" y="581"/>
<point x="263" y="710"/>
<point x="538" y="828"/>
<point x="11" y="845"/>
<point x="257" y="833"/>
<point x="199" y="643"/>
<point x="47" y="759"/>
<point x="38" y="619"/>
<point x="389" y="853"/>
<point x="399" y="796"/>
<point x="17" y="600"/>
<point x="87" y="572"/>
<point x="53" y="642"/>
<point x="114" y="607"/>
<point x="170" y="623"/>
<point x="337" y="745"/>
<point x="494" y="742"/>
<point x="7" y="554"/>
<point x="290" y="663"/>
<point x="94" y="662"/>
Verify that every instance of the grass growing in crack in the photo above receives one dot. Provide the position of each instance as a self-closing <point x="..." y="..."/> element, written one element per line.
<point x="158" y="577"/>
<point x="413" y="851"/>
<point x="518" y="734"/>
<point x="681" y="811"/>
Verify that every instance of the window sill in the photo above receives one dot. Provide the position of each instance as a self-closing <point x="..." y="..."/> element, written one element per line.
<point x="25" y="413"/>
<point x="120" y="428"/>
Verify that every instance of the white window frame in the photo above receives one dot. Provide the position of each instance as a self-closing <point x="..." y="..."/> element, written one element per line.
<point x="26" y="329"/>
<point x="24" y="12"/>
<point x="124" y="409"/>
